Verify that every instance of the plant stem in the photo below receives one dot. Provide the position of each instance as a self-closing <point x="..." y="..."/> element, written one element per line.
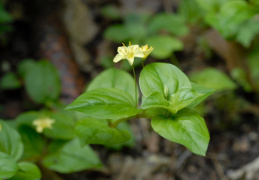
<point x="136" y="90"/>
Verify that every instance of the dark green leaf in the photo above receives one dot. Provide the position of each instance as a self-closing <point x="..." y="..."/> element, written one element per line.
<point x="10" y="81"/>
<point x="10" y="141"/>
<point x="25" y="66"/>
<point x="117" y="33"/>
<point x="8" y="166"/>
<point x="92" y="131"/>
<point x="105" y="103"/>
<point x="42" y="82"/>
<point x="155" y="100"/>
<point x="62" y="128"/>
<point x="33" y="142"/>
<point x="27" y="171"/>
<point x="186" y="128"/>
<point x="71" y="158"/>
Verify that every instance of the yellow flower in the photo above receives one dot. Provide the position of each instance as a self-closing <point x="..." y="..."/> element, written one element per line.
<point x="146" y="51"/>
<point x="128" y="53"/>
<point x="43" y="123"/>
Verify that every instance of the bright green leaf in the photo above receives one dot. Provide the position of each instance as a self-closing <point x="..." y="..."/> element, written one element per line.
<point x="42" y="82"/>
<point x="8" y="166"/>
<point x="10" y="141"/>
<point x="92" y="131"/>
<point x="71" y="158"/>
<point x="186" y="127"/>
<point x="164" y="45"/>
<point x="155" y="100"/>
<point x="27" y="171"/>
<point x="114" y="78"/>
<point x="10" y="81"/>
<point x="214" y="79"/>
<point x="182" y="98"/>
<point x="201" y="92"/>
<point x="163" y="78"/>
<point x="105" y="103"/>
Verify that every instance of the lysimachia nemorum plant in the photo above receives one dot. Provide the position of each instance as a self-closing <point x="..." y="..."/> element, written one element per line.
<point x="168" y="97"/>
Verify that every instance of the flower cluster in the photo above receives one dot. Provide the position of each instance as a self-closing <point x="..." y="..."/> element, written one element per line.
<point x="131" y="51"/>
<point x="43" y="123"/>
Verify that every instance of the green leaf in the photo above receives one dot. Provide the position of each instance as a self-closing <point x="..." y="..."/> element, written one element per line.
<point x="182" y="98"/>
<point x="111" y="12"/>
<point x="105" y="103"/>
<point x="155" y="100"/>
<point x="33" y="142"/>
<point x="114" y="78"/>
<point x="124" y="126"/>
<point x="63" y="123"/>
<point x="201" y="92"/>
<point x="253" y="64"/>
<point x="163" y="78"/>
<point x="190" y="10"/>
<point x="211" y="5"/>
<point x="25" y="66"/>
<point x="186" y="128"/>
<point x="117" y="33"/>
<point x="42" y="82"/>
<point x="5" y="17"/>
<point x="169" y="22"/>
<point x="27" y="171"/>
<point x="214" y="79"/>
<point x="241" y="78"/>
<point x="71" y="158"/>
<point x="27" y="118"/>
<point x="10" y="141"/>
<point x="10" y="81"/>
<point x="92" y="131"/>
<point x="248" y="31"/>
<point x="8" y="166"/>
<point x="164" y="45"/>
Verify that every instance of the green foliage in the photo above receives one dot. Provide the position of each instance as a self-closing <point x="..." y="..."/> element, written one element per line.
<point x="5" y="18"/>
<point x="170" y="23"/>
<point x="8" y="166"/>
<point x="143" y="28"/>
<point x="164" y="45"/>
<point x="235" y="19"/>
<point x="42" y="78"/>
<point x="9" y="81"/>
<point x="167" y="95"/>
<point x="214" y="79"/>
<point x="186" y="128"/>
<point x="111" y="12"/>
<point x="71" y="157"/>
<point x="104" y="103"/>
<point x="33" y="142"/>
<point x="27" y="171"/>
<point x="114" y="78"/>
<point x="96" y="131"/>
<point x="10" y="141"/>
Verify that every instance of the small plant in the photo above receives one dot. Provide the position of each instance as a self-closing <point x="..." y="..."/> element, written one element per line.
<point x="168" y="97"/>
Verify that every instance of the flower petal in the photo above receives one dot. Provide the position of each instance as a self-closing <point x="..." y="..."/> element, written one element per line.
<point x="138" y="53"/>
<point x="118" y="57"/>
<point x="122" y="50"/>
<point x="131" y="61"/>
